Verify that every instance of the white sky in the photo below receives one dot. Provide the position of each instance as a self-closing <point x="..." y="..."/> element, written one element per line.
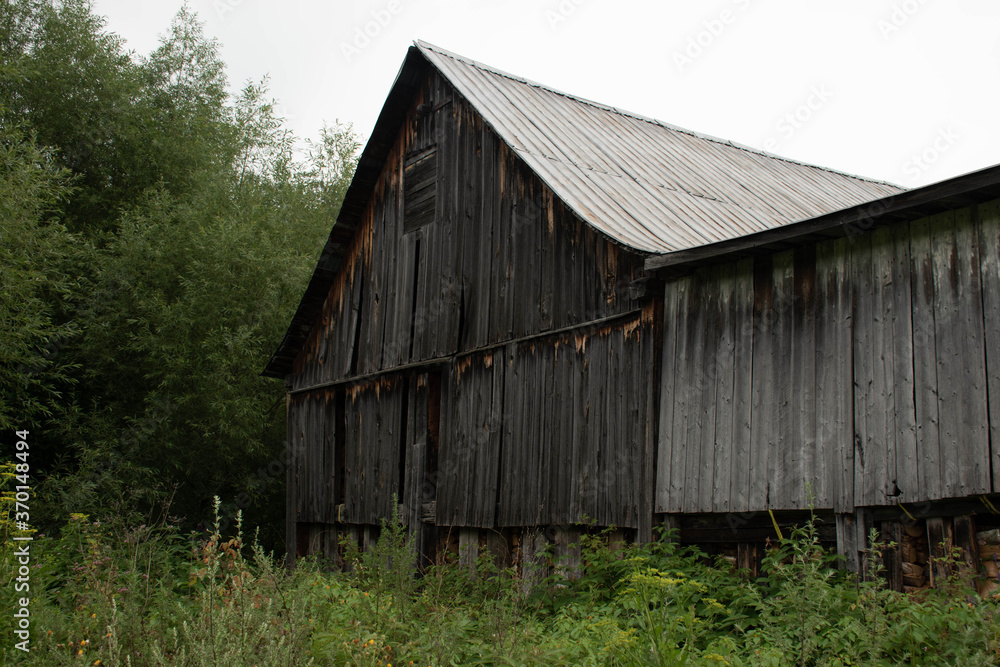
<point x="901" y="90"/>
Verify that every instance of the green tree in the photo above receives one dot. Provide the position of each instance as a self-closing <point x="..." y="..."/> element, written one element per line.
<point x="37" y="283"/>
<point x="196" y="232"/>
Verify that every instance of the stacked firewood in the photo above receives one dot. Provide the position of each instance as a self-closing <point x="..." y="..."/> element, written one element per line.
<point x="915" y="556"/>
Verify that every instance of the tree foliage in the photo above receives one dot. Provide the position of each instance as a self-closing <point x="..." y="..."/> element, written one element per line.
<point x="157" y="234"/>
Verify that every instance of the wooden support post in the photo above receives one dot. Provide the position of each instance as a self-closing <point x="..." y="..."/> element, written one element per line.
<point x="566" y="550"/>
<point x="468" y="548"/>
<point x="892" y="557"/>
<point x="852" y="539"/>
<point x="672" y="523"/>
<point x="371" y="535"/>
<point x="965" y="538"/>
<point x="533" y="565"/>
<point x="496" y="544"/>
<point x="328" y="544"/>
<point x="748" y="558"/>
<point x="939" y="543"/>
<point x="847" y="540"/>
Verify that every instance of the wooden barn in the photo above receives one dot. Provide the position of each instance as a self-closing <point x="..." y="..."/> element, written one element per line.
<point x="536" y="313"/>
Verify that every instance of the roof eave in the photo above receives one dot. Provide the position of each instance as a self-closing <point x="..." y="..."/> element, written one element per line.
<point x="972" y="188"/>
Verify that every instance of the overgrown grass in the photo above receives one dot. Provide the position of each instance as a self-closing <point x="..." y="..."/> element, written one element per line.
<point x="110" y="593"/>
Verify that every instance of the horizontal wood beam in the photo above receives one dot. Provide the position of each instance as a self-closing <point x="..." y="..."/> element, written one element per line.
<point x="442" y="361"/>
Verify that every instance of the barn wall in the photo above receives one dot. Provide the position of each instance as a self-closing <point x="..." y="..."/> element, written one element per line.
<point x="490" y="368"/>
<point x="854" y="372"/>
<point x="312" y="482"/>
<point x="553" y="431"/>
<point x="502" y="260"/>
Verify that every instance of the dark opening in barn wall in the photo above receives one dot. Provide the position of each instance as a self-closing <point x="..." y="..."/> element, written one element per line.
<point x="419" y="189"/>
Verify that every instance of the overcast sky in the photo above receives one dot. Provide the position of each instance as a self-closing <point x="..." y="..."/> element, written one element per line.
<point x="900" y="90"/>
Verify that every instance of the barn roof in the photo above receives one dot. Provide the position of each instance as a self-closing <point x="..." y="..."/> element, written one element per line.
<point x="650" y="186"/>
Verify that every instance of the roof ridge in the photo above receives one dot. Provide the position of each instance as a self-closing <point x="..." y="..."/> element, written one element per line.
<point x="422" y="45"/>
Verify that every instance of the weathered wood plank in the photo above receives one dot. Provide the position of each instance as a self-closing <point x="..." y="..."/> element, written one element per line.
<point x="667" y="446"/>
<point x="807" y="466"/>
<point x="833" y="371"/>
<point x="865" y="405"/>
<point x="988" y="219"/>
<point x="958" y="329"/>
<point x="744" y="334"/>
<point x="764" y="412"/>
<point x="904" y="408"/>
<point x="725" y="364"/>
<point x="924" y="360"/>
<point x="681" y="448"/>
<point x="705" y="379"/>
<point x="783" y="466"/>
<point x="418" y="486"/>
<point x="882" y="397"/>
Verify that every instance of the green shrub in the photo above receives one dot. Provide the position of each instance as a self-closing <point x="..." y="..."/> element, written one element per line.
<point x="130" y="590"/>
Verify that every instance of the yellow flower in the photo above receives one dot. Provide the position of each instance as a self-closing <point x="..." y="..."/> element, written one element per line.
<point x="93" y="615"/>
<point x="80" y="652"/>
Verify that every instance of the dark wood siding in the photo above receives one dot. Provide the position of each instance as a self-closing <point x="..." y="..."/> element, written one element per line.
<point x="577" y="433"/>
<point x="853" y="372"/>
<point x="469" y="463"/>
<point x="374" y="441"/>
<point x="312" y="435"/>
<point x="502" y="258"/>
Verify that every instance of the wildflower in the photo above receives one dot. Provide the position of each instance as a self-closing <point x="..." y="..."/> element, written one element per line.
<point x="93" y="615"/>
<point x="80" y="652"/>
